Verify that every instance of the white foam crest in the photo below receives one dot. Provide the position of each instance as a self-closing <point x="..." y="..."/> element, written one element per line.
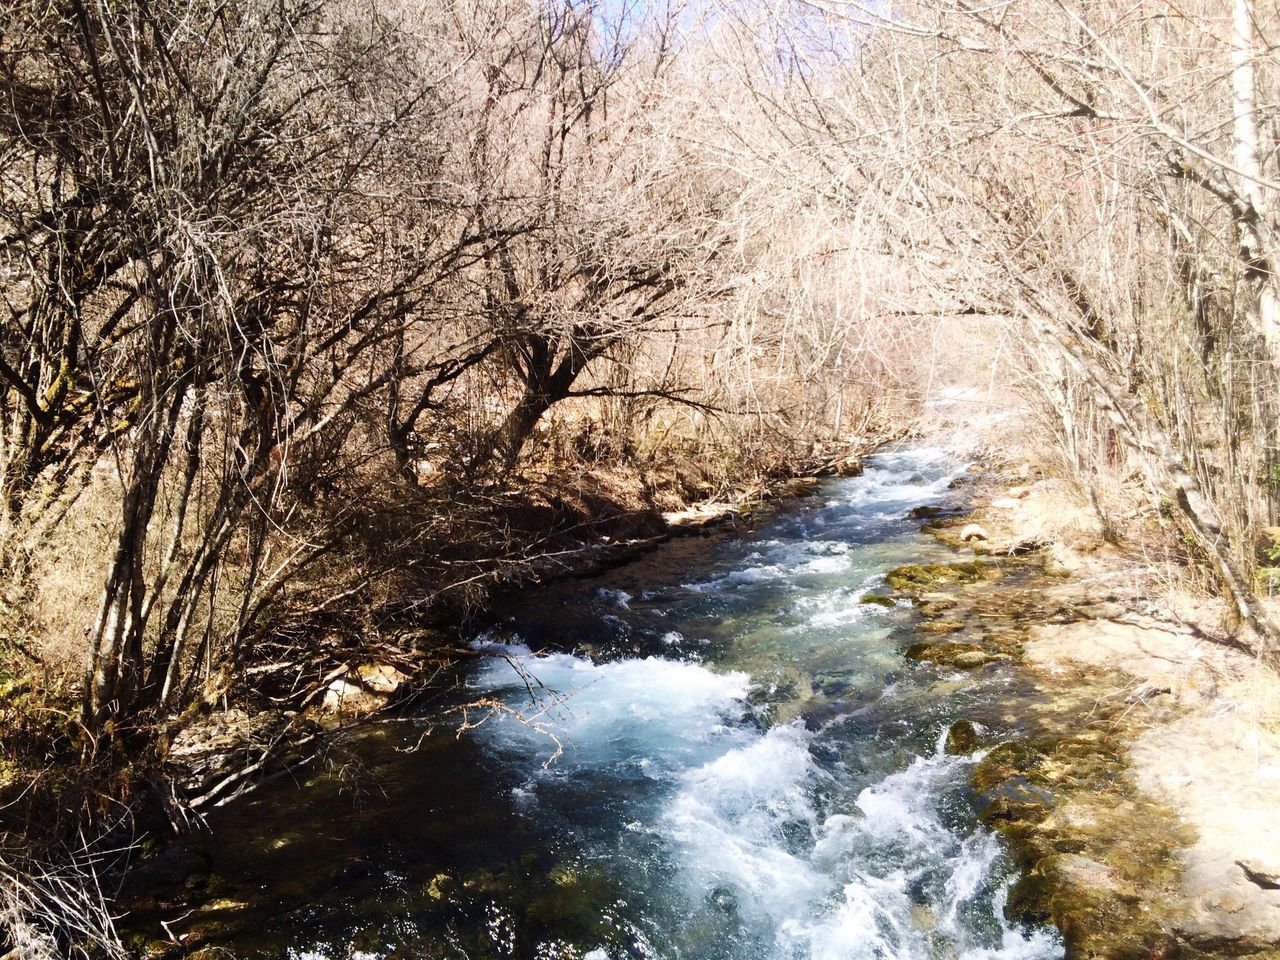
<point x="825" y="565"/>
<point x="743" y="576"/>
<point x="782" y="561"/>
<point x="899" y="480"/>
<point x="1016" y="945"/>
<point x="825" y="548"/>
<point x="897" y="841"/>
<point x="864" y="923"/>
<point x="626" y="710"/>
<point x="900" y="807"/>
<point x="972" y="871"/>
<point x="836" y="608"/>
<point x="728" y="820"/>
<point x="619" y="598"/>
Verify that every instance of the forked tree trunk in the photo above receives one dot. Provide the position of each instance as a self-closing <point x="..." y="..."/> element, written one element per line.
<point x="545" y="388"/>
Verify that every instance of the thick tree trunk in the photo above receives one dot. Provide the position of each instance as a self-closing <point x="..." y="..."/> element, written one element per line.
<point x="545" y="388"/>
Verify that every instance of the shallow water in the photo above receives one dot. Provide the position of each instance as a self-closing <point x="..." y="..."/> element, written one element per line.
<point x="722" y="755"/>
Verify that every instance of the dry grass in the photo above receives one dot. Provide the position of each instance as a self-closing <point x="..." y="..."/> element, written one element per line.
<point x="65" y="579"/>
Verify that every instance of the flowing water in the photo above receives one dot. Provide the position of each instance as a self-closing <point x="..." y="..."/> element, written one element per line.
<point x="723" y="756"/>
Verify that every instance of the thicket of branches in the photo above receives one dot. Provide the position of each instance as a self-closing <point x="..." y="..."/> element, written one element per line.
<point x="291" y="284"/>
<point x="1097" y="180"/>
<point x="274" y="268"/>
<point x="292" y="287"/>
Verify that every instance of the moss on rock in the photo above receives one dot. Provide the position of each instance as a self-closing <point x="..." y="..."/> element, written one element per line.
<point x="965" y="656"/>
<point x="1098" y="857"/>
<point x="936" y="607"/>
<point x="942" y="626"/>
<point x="917" y="578"/>
<point x="879" y="599"/>
<point x="962" y="738"/>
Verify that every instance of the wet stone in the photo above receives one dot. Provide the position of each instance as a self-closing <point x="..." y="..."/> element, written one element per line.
<point x="919" y="578"/>
<point x="936" y="608"/>
<point x="942" y="626"/>
<point x="879" y="599"/>
<point x="964" y="656"/>
<point x="962" y="738"/>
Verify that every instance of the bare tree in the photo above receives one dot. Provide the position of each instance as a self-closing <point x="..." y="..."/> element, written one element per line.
<point x="995" y="147"/>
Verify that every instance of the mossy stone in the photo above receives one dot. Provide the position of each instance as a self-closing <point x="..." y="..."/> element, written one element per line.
<point x="962" y="738"/>
<point x="919" y="577"/>
<point x="942" y="626"/>
<point x="936" y="608"/>
<point x="879" y="599"/>
<point x="1011" y="759"/>
<point x="964" y="656"/>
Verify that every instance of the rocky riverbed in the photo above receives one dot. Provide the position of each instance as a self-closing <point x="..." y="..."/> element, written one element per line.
<point x="1140" y="802"/>
<point x="1126" y="757"/>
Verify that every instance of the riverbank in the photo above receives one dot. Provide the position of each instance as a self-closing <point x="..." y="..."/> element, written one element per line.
<point x="1129" y="851"/>
<point x="1139" y="795"/>
<point x="219" y="754"/>
<point x="713" y="749"/>
<point x="394" y="641"/>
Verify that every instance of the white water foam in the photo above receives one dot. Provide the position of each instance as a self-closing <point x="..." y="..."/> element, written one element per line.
<point x="894" y="482"/>
<point x="849" y="890"/>
<point x="663" y="712"/>
<point x="728" y="816"/>
<point x="814" y="868"/>
<point x="781" y="561"/>
<point x="618" y="598"/>
<point x="838" y="607"/>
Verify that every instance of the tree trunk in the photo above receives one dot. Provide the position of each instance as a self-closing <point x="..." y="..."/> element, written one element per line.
<point x="545" y="386"/>
<point x="1255" y="228"/>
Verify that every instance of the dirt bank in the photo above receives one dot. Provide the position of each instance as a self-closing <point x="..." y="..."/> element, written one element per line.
<point x="1140" y="797"/>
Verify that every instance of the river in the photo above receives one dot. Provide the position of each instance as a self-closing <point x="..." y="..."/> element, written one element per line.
<point x="717" y="752"/>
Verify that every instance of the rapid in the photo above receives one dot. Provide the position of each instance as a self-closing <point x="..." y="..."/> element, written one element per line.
<point x="717" y="752"/>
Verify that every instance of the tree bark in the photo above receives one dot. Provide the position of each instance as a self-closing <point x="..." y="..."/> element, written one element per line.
<point x="1255" y="229"/>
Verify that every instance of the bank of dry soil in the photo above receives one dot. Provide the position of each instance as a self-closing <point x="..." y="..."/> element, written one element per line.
<point x="1144" y="800"/>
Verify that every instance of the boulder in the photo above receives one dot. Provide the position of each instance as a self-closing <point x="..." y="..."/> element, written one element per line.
<point x="962" y="738"/>
<point x="879" y="599"/>
<point x="926" y="512"/>
<point x="917" y="578"/>
<point x="368" y="688"/>
<point x="963" y="656"/>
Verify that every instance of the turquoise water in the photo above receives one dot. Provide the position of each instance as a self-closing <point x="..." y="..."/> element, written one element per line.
<point x="715" y="752"/>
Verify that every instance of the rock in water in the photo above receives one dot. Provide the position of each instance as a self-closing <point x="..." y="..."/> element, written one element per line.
<point x="879" y="599"/>
<point x="973" y="532"/>
<point x="962" y="738"/>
